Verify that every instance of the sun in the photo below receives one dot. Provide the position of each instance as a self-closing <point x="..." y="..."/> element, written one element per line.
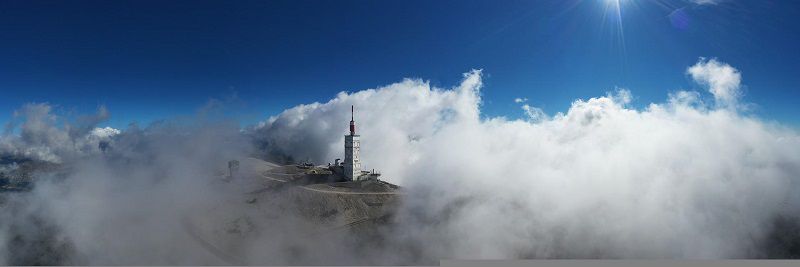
<point x="613" y="13"/>
<point x="614" y="6"/>
<point x="613" y="9"/>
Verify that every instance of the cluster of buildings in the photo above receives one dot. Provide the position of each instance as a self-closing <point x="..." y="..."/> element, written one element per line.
<point x="350" y="168"/>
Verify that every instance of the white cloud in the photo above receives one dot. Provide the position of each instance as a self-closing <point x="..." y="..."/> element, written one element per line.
<point x="41" y="138"/>
<point x="126" y="204"/>
<point x="722" y="79"/>
<point x="675" y="180"/>
<point x="520" y="100"/>
<point x="106" y="132"/>
<point x="679" y="179"/>
<point x="534" y="114"/>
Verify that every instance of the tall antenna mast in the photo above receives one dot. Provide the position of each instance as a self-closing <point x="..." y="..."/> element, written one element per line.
<point x="352" y="121"/>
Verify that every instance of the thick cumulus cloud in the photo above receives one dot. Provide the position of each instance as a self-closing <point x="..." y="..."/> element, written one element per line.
<point x="679" y="179"/>
<point x="402" y="114"/>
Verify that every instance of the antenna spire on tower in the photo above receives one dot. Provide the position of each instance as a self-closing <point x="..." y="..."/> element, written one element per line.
<point x="352" y="121"/>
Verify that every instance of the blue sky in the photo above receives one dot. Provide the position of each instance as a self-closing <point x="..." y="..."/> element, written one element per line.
<point x="146" y="60"/>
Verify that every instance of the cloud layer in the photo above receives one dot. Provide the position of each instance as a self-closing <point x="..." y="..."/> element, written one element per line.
<point x="678" y="179"/>
<point x="41" y="138"/>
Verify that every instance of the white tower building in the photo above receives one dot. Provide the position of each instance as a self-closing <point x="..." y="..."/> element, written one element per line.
<point x="352" y="164"/>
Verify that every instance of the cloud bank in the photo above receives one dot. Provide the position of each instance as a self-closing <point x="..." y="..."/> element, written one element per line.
<point x="41" y="138"/>
<point x="678" y="179"/>
<point x="148" y="196"/>
<point x="110" y="196"/>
